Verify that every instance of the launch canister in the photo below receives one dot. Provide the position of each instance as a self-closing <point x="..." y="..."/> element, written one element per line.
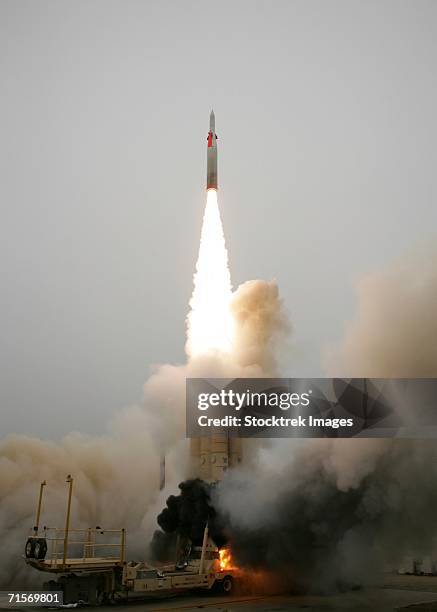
<point x="211" y="173"/>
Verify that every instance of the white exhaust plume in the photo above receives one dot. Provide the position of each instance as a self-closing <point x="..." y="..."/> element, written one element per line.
<point x="210" y="324"/>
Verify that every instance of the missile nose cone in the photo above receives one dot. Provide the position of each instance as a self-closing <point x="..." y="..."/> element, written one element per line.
<point x="212" y="121"/>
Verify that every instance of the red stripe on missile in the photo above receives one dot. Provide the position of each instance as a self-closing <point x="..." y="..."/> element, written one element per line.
<point x="210" y="139"/>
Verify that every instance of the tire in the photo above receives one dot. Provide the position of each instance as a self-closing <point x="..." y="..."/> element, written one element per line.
<point x="29" y="549"/>
<point x="227" y="585"/>
<point x="40" y="549"/>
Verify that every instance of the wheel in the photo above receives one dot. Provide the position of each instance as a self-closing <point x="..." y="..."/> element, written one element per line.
<point x="227" y="585"/>
<point x="40" y="549"/>
<point x="29" y="550"/>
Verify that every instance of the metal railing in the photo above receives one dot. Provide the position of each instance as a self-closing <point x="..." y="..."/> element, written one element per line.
<point x="84" y="545"/>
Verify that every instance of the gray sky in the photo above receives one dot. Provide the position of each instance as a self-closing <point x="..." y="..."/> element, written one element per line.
<point x="326" y="116"/>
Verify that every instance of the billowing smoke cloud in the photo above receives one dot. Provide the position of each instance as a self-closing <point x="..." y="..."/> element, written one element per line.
<point x="322" y="513"/>
<point x="117" y="474"/>
<point x="394" y="332"/>
<point x="262" y="327"/>
<point x="320" y="522"/>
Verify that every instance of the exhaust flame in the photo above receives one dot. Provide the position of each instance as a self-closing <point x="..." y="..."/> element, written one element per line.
<point x="210" y="323"/>
<point x="225" y="559"/>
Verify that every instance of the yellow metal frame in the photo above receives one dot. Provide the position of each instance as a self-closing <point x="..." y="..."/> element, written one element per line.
<point x="38" y="509"/>
<point x="59" y="540"/>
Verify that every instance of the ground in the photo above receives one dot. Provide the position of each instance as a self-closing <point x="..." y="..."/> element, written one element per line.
<point x="402" y="593"/>
<point x="406" y="593"/>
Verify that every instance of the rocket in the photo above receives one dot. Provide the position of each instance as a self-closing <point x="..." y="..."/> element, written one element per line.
<point x="211" y="155"/>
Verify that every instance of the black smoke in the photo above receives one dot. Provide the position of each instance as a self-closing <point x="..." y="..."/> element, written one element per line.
<point x="301" y="541"/>
<point x="334" y="517"/>
<point x="186" y="515"/>
<point x="310" y="525"/>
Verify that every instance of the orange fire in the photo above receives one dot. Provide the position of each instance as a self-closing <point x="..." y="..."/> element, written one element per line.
<point x="225" y="559"/>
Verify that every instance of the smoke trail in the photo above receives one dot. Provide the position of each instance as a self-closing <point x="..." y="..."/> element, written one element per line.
<point x="210" y="324"/>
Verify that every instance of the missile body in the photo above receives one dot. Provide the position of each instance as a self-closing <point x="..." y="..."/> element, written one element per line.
<point x="211" y="170"/>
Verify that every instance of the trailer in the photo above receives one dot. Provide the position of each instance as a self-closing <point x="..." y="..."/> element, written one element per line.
<point x="90" y="566"/>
